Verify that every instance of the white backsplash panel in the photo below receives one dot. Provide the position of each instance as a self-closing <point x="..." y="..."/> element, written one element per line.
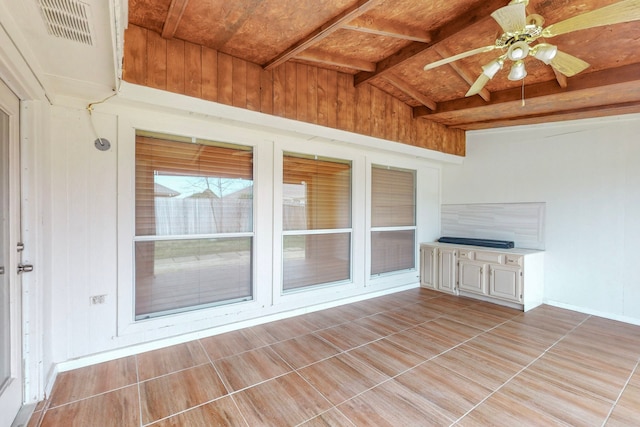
<point x="522" y="223"/>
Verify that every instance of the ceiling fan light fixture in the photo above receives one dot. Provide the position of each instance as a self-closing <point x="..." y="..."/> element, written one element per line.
<point x="544" y="52"/>
<point x="493" y="67"/>
<point x="535" y="20"/>
<point x="518" y="50"/>
<point x="518" y="72"/>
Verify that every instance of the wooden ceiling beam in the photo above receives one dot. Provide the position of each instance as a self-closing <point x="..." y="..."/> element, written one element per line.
<point x="386" y="28"/>
<point x="464" y="74"/>
<point x="410" y="91"/>
<point x="554" y="116"/>
<point x="324" y="58"/>
<point x="467" y="20"/>
<point x="580" y="82"/>
<point x="176" y="10"/>
<point x="560" y="78"/>
<point x="322" y="32"/>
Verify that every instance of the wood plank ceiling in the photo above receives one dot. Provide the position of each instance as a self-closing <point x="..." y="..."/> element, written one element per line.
<point x="386" y="43"/>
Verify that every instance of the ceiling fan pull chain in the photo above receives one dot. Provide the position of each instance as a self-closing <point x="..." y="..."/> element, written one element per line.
<point x="522" y="92"/>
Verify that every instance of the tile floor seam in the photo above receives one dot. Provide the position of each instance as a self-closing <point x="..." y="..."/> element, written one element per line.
<point x="333" y="408"/>
<point x="622" y="390"/>
<point x="215" y="368"/>
<point x="293" y="368"/>
<point x="519" y="372"/>
<point x="45" y="408"/>
<point x="91" y="396"/>
<point x="138" y="387"/>
<point x="331" y="405"/>
<point x="172" y="372"/>
<point x="246" y="423"/>
<point x="434" y="357"/>
<point x="259" y="383"/>
<point x="330" y="343"/>
<point x="182" y="411"/>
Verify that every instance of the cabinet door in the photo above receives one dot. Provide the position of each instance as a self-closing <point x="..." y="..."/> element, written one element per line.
<point x="447" y="270"/>
<point x="506" y="283"/>
<point x="428" y="272"/>
<point x="472" y="277"/>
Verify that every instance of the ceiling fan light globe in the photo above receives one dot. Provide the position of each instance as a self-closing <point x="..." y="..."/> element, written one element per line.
<point x="518" y="72"/>
<point x="518" y="50"/>
<point x="545" y="52"/>
<point x="492" y="67"/>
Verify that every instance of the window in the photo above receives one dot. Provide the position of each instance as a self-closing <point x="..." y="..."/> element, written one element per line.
<point x="393" y="219"/>
<point x="316" y="221"/>
<point x="194" y="224"/>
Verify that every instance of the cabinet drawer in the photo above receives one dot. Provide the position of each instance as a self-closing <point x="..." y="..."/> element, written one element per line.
<point x="466" y="254"/>
<point x="513" y="260"/>
<point x="492" y="257"/>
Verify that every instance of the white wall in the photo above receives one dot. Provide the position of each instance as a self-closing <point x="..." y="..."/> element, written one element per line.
<point x="86" y="215"/>
<point x="588" y="173"/>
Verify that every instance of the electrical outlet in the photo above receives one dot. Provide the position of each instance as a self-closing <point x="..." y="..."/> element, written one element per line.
<point x="98" y="299"/>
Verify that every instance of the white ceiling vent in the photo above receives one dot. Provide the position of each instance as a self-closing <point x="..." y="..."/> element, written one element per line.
<point x="68" y="19"/>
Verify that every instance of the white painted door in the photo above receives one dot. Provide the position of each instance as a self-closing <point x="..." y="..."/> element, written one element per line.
<point x="472" y="277"/>
<point x="447" y="270"/>
<point x="11" y="377"/>
<point x="428" y="264"/>
<point x="506" y="282"/>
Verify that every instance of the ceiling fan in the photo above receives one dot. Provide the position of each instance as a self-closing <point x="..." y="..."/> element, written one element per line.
<point x="520" y="31"/>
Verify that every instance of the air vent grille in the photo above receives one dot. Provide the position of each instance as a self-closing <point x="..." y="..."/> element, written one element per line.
<point x="68" y="19"/>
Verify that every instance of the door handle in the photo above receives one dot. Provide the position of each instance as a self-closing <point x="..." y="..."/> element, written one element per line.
<point x="25" y="268"/>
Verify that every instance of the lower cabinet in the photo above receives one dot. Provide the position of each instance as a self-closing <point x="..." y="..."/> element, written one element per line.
<point x="505" y="282"/>
<point x="472" y="277"/>
<point x="428" y="268"/>
<point x="447" y="270"/>
<point x="513" y="277"/>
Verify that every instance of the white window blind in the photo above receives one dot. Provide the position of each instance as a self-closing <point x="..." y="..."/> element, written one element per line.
<point x="316" y="221"/>
<point x="393" y="219"/>
<point x="194" y="224"/>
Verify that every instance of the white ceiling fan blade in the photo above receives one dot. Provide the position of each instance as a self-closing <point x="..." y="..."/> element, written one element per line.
<point x="622" y="11"/>
<point x="567" y="64"/>
<point x="511" y="18"/>
<point x="478" y="85"/>
<point x="459" y="56"/>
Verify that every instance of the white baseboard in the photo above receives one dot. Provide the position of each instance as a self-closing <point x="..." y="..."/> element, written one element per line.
<point x="606" y="315"/>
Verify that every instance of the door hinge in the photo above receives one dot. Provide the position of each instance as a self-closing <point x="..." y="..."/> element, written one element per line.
<point x="20" y="247"/>
<point x="1" y="270"/>
<point x="25" y="268"/>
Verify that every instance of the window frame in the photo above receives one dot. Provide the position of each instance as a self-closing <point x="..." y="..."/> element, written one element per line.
<point x="141" y="238"/>
<point x="320" y="292"/>
<point x="413" y="227"/>
<point x="427" y="220"/>
<point x="186" y="321"/>
<point x="322" y="231"/>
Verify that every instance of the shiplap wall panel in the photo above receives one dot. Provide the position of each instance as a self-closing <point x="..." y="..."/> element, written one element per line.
<point x="293" y="90"/>
<point x="522" y="223"/>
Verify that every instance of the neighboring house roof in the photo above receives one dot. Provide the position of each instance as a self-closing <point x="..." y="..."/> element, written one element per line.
<point x="205" y="194"/>
<point x="161" y="191"/>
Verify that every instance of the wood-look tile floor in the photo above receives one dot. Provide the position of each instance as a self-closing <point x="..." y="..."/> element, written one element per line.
<point x="414" y="358"/>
